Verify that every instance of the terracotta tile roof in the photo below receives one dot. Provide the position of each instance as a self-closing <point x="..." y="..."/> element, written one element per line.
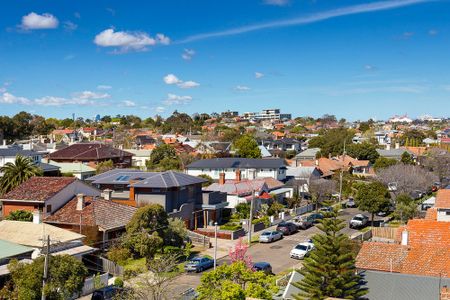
<point x="417" y="151"/>
<point x="62" y="131"/>
<point x="88" y="151"/>
<point x="381" y="256"/>
<point x="96" y="212"/>
<point x="427" y="252"/>
<point x="443" y="199"/>
<point x="39" y="188"/>
<point x="431" y="213"/>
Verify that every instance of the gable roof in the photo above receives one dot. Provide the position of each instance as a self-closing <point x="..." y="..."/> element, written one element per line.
<point x="443" y="199"/>
<point x="88" y="151"/>
<point x="14" y="151"/>
<point x="39" y="189"/>
<point x="381" y="257"/>
<point x="237" y="162"/>
<point x="240" y="188"/>
<point x="96" y="212"/>
<point x="167" y="180"/>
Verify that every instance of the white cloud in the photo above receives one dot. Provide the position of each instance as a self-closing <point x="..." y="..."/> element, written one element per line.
<point x="188" y="54"/>
<point x="303" y="20"/>
<point x="276" y="2"/>
<point x="258" y="75"/>
<point x="188" y="84"/>
<point x="160" y="109"/>
<point x="370" y="67"/>
<point x="53" y="101"/>
<point x="171" y="79"/>
<point x="36" y="21"/>
<point x="8" y="98"/>
<point x="128" y="103"/>
<point x="128" y="41"/>
<point x="104" y="87"/>
<point x="162" y="39"/>
<point x="70" y="26"/>
<point x="91" y="95"/>
<point x="173" y="99"/>
<point x="241" y="88"/>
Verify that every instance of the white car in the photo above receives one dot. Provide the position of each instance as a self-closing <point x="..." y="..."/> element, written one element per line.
<point x="270" y="236"/>
<point x="301" y="250"/>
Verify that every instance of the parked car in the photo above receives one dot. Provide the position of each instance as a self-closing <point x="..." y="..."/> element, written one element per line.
<point x="358" y="221"/>
<point x="270" y="236"/>
<point x="350" y="203"/>
<point x="287" y="228"/>
<point x="316" y="217"/>
<point x="263" y="266"/>
<point x="303" y="222"/>
<point x="326" y="209"/>
<point x="198" y="264"/>
<point x="106" y="293"/>
<point x="301" y="250"/>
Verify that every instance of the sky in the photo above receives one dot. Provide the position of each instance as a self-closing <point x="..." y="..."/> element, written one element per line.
<point x="354" y="59"/>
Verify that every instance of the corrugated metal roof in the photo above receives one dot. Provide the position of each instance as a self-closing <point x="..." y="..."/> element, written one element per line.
<point x="9" y="249"/>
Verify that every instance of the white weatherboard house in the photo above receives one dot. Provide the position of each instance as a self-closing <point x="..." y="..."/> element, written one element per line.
<point x="250" y="168"/>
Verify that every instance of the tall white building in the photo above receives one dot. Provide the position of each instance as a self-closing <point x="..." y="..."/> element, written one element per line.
<point x="267" y="114"/>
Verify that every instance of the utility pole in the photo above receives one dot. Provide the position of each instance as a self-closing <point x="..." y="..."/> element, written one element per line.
<point x="340" y="176"/>
<point x="250" y="219"/>
<point x="215" y="245"/>
<point x="46" y="263"/>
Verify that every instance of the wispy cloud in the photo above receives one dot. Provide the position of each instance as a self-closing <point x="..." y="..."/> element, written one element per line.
<point x="70" y="26"/>
<point x="259" y="75"/>
<point x="173" y="99"/>
<point x="187" y="54"/>
<point x="313" y="18"/>
<point x="276" y="2"/>
<point x="172" y="79"/>
<point x="241" y="88"/>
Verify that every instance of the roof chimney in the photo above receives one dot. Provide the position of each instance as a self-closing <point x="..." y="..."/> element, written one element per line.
<point x="107" y="194"/>
<point x="405" y="237"/>
<point x="80" y="202"/>
<point x="238" y="175"/>
<point x="222" y="178"/>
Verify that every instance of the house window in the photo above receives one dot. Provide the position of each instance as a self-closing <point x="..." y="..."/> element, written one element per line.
<point x="49" y="208"/>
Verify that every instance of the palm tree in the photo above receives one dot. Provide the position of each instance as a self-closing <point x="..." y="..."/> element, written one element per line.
<point x="18" y="172"/>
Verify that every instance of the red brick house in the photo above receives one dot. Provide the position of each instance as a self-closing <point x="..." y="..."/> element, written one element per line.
<point x="92" y="154"/>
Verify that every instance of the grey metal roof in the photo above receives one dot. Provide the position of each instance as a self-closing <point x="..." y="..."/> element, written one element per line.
<point x="237" y="162"/>
<point x="111" y="173"/>
<point x="392" y="152"/>
<point x="308" y="152"/>
<point x="47" y="167"/>
<point x="396" y="286"/>
<point x="12" y="152"/>
<point x="168" y="179"/>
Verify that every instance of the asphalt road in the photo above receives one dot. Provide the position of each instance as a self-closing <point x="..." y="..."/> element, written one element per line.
<point x="276" y="253"/>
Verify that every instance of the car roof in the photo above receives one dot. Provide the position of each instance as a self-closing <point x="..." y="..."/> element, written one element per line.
<point x="261" y="264"/>
<point x="360" y="215"/>
<point x="304" y="244"/>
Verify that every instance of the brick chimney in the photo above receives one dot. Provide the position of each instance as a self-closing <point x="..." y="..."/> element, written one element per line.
<point x="222" y="178"/>
<point x="238" y="175"/>
<point x="107" y="194"/>
<point x="80" y="202"/>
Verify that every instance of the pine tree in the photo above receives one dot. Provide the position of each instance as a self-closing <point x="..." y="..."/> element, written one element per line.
<point x="330" y="269"/>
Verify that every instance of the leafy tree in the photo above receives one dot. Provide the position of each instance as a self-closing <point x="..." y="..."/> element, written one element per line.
<point x="22" y="125"/>
<point x="332" y="141"/>
<point x="104" y="166"/>
<point x="66" y="278"/>
<point x="20" y="215"/>
<point x="176" y="232"/>
<point x="14" y="174"/>
<point x="178" y="123"/>
<point x="405" y="207"/>
<point x="438" y="161"/>
<point x="364" y="126"/>
<point x="330" y="269"/>
<point x="407" y="158"/>
<point x="163" y="158"/>
<point x="208" y="178"/>
<point x="320" y="190"/>
<point x="118" y="254"/>
<point x="372" y="197"/>
<point x="363" y="151"/>
<point x="236" y="282"/>
<point x="275" y="208"/>
<point x="239" y="254"/>
<point x="246" y="146"/>
<point x="243" y="210"/>
<point x="143" y="244"/>
<point x="384" y="162"/>
<point x="411" y="137"/>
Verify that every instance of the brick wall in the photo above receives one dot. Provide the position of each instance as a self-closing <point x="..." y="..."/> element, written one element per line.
<point x="9" y="207"/>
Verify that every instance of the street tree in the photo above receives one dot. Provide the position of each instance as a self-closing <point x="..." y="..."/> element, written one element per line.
<point x="329" y="271"/>
<point x="320" y="190"/>
<point x="246" y="146"/>
<point x="372" y="197"/>
<point x="405" y="208"/>
<point x="406" y="178"/>
<point x="363" y="151"/>
<point x="236" y="281"/>
<point x="66" y="278"/>
<point x="238" y="253"/>
<point x="14" y="174"/>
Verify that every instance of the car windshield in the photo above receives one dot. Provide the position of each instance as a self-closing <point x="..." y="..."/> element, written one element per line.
<point x="283" y="225"/>
<point x="266" y="233"/>
<point x="194" y="262"/>
<point x="301" y="247"/>
<point x="358" y="218"/>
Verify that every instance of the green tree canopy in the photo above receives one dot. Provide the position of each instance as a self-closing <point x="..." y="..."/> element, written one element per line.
<point x="246" y="146"/>
<point x="407" y="158"/>
<point x="363" y="151"/>
<point x="66" y="277"/>
<point x="405" y="208"/>
<point x="372" y="197"/>
<point x="332" y="141"/>
<point x="20" y="215"/>
<point x="236" y="282"/>
<point x="104" y="166"/>
<point x="163" y="158"/>
<point x="330" y="269"/>
<point x="384" y="162"/>
<point x="14" y="174"/>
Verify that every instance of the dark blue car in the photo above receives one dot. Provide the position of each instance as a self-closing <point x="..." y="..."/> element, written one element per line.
<point x="198" y="264"/>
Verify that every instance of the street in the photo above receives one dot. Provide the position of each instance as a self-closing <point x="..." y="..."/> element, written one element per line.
<point x="276" y="253"/>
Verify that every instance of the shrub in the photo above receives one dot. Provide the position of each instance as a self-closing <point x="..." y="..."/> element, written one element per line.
<point x="173" y="250"/>
<point x="118" y="282"/>
<point x="20" y="215"/>
<point x="119" y="255"/>
<point x="264" y="220"/>
<point x="231" y="226"/>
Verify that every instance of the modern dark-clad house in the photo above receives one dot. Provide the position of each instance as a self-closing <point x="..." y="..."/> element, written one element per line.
<point x="180" y="194"/>
<point x="92" y="154"/>
<point x="250" y="168"/>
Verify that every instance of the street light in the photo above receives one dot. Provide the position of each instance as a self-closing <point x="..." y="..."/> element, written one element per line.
<point x="215" y="245"/>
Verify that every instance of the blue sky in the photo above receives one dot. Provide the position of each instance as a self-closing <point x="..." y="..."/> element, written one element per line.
<point x="354" y="59"/>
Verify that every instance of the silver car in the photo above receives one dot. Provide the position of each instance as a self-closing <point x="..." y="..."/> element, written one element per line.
<point x="270" y="236"/>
